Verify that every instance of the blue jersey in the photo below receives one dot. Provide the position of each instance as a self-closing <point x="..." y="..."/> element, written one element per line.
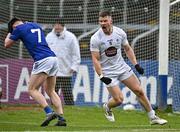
<point x="34" y="40"/>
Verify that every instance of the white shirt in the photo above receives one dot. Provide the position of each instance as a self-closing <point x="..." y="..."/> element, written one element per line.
<point x="66" y="48"/>
<point x="109" y="47"/>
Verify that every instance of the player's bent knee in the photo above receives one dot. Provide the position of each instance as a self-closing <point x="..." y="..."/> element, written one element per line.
<point x="118" y="100"/>
<point x="31" y="90"/>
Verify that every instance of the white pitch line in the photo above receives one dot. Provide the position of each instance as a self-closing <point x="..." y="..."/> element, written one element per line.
<point x="154" y="129"/>
<point x="20" y="123"/>
<point x="27" y="123"/>
<point x="132" y="129"/>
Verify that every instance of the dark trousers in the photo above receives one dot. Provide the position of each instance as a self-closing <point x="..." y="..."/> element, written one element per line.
<point x="64" y="83"/>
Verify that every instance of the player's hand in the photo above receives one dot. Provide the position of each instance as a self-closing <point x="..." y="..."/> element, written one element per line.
<point x="106" y="80"/>
<point x="139" y="69"/>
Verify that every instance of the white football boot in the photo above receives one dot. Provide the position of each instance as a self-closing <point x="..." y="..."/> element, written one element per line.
<point x="157" y="120"/>
<point x="108" y="113"/>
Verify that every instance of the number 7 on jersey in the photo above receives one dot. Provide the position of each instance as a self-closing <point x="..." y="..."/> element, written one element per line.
<point x="39" y="34"/>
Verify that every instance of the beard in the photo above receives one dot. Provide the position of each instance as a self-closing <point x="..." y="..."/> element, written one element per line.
<point x="106" y="30"/>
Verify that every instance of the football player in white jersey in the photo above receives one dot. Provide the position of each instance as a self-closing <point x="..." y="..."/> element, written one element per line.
<point x="105" y="46"/>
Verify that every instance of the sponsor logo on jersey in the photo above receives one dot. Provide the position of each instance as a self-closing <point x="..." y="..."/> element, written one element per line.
<point x="111" y="51"/>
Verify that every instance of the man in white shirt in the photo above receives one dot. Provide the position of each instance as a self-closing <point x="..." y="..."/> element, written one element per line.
<point x="105" y="46"/>
<point x="66" y="47"/>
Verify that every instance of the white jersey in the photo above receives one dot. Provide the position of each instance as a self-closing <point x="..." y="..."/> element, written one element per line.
<point x="109" y="47"/>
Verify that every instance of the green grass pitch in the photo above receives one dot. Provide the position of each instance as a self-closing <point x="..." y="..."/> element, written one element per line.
<point x="81" y="118"/>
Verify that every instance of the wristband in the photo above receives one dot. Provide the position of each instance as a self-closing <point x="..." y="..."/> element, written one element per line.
<point x="101" y="76"/>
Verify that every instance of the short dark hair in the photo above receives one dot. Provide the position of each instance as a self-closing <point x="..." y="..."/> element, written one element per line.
<point x="11" y="22"/>
<point x="60" y="20"/>
<point x="104" y="13"/>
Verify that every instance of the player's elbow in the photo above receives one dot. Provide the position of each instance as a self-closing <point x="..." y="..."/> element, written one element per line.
<point x="7" y="43"/>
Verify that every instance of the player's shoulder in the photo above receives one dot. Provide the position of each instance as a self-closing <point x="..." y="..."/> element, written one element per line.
<point x="96" y="35"/>
<point x="119" y="31"/>
<point x="27" y="25"/>
<point x="32" y="24"/>
<point x="20" y="28"/>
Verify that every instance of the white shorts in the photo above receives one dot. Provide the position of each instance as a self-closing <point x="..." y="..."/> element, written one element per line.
<point x="125" y="75"/>
<point x="47" y="65"/>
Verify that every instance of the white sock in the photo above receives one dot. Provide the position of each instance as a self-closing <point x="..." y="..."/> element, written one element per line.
<point x="151" y="114"/>
<point x="107" y="107"/>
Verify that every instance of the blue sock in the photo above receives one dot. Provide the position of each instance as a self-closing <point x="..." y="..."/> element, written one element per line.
<point x="61" y="118"/>
<point x="48" y="110"/>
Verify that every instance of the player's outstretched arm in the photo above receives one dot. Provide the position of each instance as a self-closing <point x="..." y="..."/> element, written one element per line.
<point x="130" y="54"/>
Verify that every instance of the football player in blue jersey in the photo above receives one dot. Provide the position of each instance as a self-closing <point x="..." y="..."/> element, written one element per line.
<point x="44" y="69"/>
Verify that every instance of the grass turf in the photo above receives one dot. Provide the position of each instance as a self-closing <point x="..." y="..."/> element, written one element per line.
<point x="84" y="119"/>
